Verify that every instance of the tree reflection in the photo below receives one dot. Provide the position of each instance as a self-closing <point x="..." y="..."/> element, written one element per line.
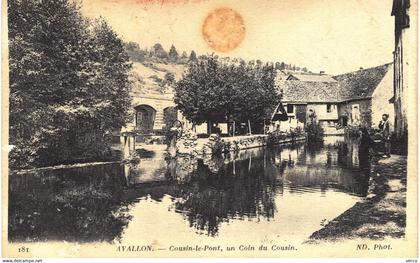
<point x="213" y="196"/>
<point x="80" y="204"/>
<point x="91" y="204"/>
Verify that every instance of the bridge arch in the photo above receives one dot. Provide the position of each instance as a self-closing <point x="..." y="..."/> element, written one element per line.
<point x="170" y="115"/>
<point x="145" y="118"/>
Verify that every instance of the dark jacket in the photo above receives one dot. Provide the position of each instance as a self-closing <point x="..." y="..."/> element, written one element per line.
<point x="385" y="130"/>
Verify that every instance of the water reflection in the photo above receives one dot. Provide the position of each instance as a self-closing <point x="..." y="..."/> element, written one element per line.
<point x="82" y="204"/>
<point x="212" y="196"/>
<point x="97" y="203"/>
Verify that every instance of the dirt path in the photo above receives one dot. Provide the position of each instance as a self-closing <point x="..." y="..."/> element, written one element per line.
<point x="381" y="214"/>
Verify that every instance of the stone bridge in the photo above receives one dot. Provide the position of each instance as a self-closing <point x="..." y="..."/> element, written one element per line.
<point x="150" y="111"/>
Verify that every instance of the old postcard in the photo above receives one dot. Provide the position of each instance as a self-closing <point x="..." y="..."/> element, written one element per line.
<point x="209" y="128"/>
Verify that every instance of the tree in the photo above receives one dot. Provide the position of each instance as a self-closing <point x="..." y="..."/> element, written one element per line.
<point x="215" y="91"/>
<point x="169" y="78"/>
<point x="282" y="66"/>
<point x="193" y="57"/>
<point x="134" y="51"/>
<point x="159" y="52"/>
<point x="167" y="81"/>
<point x="184" y="58"/>
<point x="68" y="84"/>
<point x="173" y="54"/>
<point x="132" y="45"/>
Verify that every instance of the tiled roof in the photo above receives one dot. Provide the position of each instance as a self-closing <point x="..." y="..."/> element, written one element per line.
<point x="361" y="83"/>
<point x="312" y="77"/>
<point x="309" y="91"/>
<point x="354" y="85"/>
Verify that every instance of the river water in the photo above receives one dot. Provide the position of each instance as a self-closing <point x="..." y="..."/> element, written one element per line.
<point x="285" y="192"/>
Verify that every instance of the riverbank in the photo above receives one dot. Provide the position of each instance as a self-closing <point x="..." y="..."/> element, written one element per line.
<point x="381" y="214"/>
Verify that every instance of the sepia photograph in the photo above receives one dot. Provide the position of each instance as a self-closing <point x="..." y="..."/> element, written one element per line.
<point x="209" y="128"/>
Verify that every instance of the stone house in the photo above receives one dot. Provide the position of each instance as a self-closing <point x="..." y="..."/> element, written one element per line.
<point x="351" y="99"/>
<point x="365" y="96"/>
<point x="405" y="49"/>
<point x="301" y="97"/>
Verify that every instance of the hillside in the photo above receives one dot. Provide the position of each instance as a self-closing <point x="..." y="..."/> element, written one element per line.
<point x="151" y="78"/>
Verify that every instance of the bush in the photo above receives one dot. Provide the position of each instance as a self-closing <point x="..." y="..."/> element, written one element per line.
<point x="294" y="133"/>
<point x="352" y="131"/>
<point x="274" y="137"/>
<point x="314" y="131"/>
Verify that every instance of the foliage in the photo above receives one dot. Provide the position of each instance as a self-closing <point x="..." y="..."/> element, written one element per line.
<point x="296" y="132"/>
<point x="275" y="137"/>
<point x="135" y="52"/>
<point x="169" y="119"/>
<point x="314" y="132"/>
<point x="193" y="57"/>
<point x="173" y="54"/>
<point x="69" y="84"/>
<point x="352" y="130"/>
<point x="159" y="51"/>
<point x="157" y="54"/>
<point x="219" y="90"/>
<point x="184" y="57"/>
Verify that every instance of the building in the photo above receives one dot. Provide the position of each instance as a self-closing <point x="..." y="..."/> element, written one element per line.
<point x="152" y="98"/>
<point x="351" y="99"/>
<point x="301" y="97"/>
<point x="365" y="96"/>
<point x="405" y="44"/>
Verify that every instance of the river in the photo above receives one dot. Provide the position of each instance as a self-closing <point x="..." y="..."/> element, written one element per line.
<point x="285" y="192"/>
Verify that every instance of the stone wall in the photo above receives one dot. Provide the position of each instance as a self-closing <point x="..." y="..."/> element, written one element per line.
<point x="234" y="144"/>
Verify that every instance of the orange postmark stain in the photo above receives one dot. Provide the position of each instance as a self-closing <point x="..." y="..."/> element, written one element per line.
<point x="223" y="29"/>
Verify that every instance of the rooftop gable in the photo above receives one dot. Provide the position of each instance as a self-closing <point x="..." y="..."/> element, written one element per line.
<point x="308" y="91"/>
<point x="350" y="86"/>
<point x="362" y="83"/>
<point x="311" y="77"/>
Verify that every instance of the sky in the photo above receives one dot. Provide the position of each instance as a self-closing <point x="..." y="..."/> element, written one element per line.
<point x="335" y="36"/>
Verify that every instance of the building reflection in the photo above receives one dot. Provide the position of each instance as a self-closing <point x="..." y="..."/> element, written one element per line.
<point x="91" y="203"/>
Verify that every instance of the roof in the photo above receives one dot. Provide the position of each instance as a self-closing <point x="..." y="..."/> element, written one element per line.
<point x="362" y="83"/>
<point x="308" y="91"/>
<point x="350" y="86"/>
<point x="311" y="77"/>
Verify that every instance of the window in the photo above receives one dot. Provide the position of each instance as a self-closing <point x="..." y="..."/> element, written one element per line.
<point x="329" y="106"/>
<point x="289" y="108"/>
<point x="355" y="114"/>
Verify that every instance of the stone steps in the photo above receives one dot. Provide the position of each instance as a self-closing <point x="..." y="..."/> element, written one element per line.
<point x="159" y="122"/>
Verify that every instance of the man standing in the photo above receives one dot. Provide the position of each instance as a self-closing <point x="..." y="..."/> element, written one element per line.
<point x="386" y="134"/>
